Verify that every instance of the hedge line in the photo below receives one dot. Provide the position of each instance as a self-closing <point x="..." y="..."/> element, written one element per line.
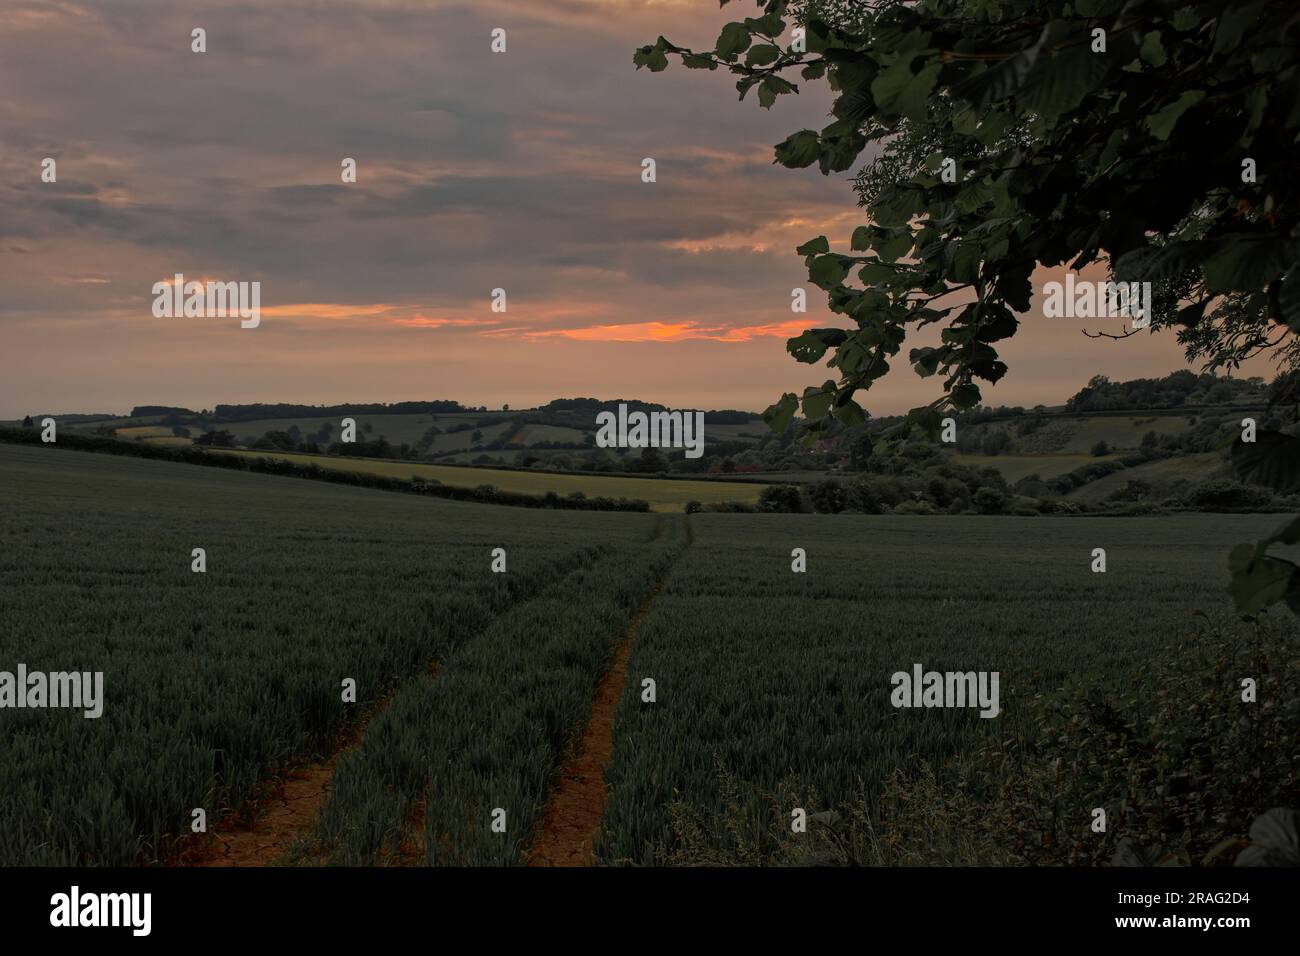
<point x="192" y="455"/>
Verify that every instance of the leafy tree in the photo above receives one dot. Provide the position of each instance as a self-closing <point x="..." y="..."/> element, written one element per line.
<point x="217" y="439"/>
<point x="782" y="498"/>
<point x="1065" y="129"/>
<point x="990" y="501"/>
<point x="1100" y="449"/>
<point x="27" y="421"/>
<point x="652" y="459"/>
<point x="828" y="497"/>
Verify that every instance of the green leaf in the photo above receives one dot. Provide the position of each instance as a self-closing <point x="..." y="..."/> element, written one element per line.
<point x="812" y="344"/>
<point x="696" y="61"/>
<point x="777" y="416"/>
<point x="1152" y="263"/>
<point x="890" y="248"/>
<point x="761" y="54"/>
<point x="652" y="57"/>
<point x="897" y="90"/>
<point x="733" y="40"/>
<point x="799" y="149"/>
<point x="828" y="271"/>
<point x="1288" y="299"/>
<point x="1059" y="83"/>
<point x="1245" y="265"/>
<point x="1162" y="122"/>
<point x="925" y="361"/>
<point x="927" y="420"/>
<point x="850" y="413"/>
<point x="965" y="262"/>
<point x="1257" y="582"/>
<point x="861" y="240"/>
<point x="1272" y="459"/>
<point x="966" y="396"/>
<point x="772" y="87"/>
<point x="876" y="272"/>
<point x="817" y="401"/>
<point x="1289" y="533"/>
<point x="1152" y="50"/>
<point x="1232" y="24"/>
<point x="818" y="246"/>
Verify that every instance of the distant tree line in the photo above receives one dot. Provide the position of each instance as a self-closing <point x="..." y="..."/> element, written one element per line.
<point x="1183" y="387"/>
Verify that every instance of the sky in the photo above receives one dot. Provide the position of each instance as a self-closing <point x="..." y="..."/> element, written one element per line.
<point x="475" y="171"/>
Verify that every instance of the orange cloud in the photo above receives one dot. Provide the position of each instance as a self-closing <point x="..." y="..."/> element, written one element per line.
<point x="424" y="322"/>
<point x="674" y="332"/>
<point x="327" y="310"/>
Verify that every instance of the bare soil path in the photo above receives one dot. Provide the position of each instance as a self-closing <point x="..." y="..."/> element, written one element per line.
<point x="572" y="814"/>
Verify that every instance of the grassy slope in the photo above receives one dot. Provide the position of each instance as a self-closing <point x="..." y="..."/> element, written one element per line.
<point x="669" y="495"/>
<point x="1161" y="474"/>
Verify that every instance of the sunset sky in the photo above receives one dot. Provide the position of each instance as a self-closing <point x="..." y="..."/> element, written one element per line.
<point x="475" y="171"/>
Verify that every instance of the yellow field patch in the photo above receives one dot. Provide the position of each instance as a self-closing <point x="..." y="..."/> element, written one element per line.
<point x="663" y="495"/>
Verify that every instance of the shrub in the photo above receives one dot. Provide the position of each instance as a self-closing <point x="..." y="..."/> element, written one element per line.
<point x="989" y="501"/>
<point x="828" y="497"/>
<point x="1225" y="494"/>
<point x="781" y="498"/>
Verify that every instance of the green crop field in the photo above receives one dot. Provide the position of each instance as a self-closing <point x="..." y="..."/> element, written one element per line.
<point x="774" y="681"/>
<point x="663" y="495"/>
<point x="767" y="681"/>
<point x="213" y="680"/>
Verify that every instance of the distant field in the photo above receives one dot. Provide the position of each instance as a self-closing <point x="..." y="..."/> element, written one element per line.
<point x="450" y="441"/>
<point x="1161" y="474"/>
<point x="1068" y="435"/>
<point x="532" y="434"/>
<point x="397" y="429"/>
<point x="144" y="431"/>
<point x="663" y="495"/>
<point x="736" y="432"/>
<point x="1015" y="467"/>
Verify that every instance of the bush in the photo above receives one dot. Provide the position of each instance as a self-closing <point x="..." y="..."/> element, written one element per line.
<point x="1101" y="448"/>
<point x="694" y="507"/>
<point x="828" y="497"/>
<point x="989" y="501"/>
<point x="1227" y="495"/>
<point x="781" y="498"/>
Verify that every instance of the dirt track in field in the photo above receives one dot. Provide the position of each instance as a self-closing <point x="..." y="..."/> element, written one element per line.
<point x="571" y="817"/>
<point x="285" y="812"/>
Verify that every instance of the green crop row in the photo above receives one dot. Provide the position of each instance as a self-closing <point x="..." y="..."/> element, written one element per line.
<point x="489" y="730"/>
<point x="775" y="686"/>
<point x="212" y="681"/>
